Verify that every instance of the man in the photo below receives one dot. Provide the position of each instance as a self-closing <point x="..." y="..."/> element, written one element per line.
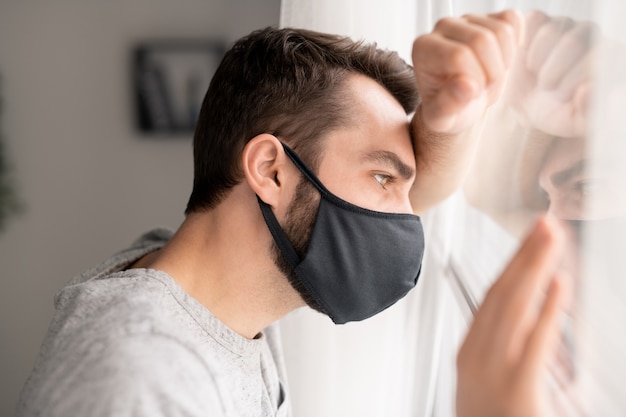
<point x="307" y="177"/>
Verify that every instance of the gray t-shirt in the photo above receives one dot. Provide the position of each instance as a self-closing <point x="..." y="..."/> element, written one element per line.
<point x="133" y="343"/>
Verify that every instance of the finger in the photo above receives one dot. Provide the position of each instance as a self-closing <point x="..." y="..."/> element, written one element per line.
<point x="438" y="60"/>
<point x="450" y="111"/>
<point x="504" y="32"/>
<point x="488" y="315"/>
<point x="537" y="252"/>
<point x="516" y="20"/>
<point x="570" y="49"/>
<point x="581" y="101"/>
<point x="577" y="79"/>
<point x="481" y="41"/>
<point x="533" y="21"/>
<point x="543" y="340"/>
<point x="545" y="40"/>
<point x="509" y="302"/>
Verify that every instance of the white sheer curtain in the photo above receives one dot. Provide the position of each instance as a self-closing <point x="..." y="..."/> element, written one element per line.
<point x="601" y="340"/>
<point x="401" y="362"/>
<point x="391" y="24"/>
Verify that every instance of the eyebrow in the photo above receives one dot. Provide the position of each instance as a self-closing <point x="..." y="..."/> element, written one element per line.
<point x="562" y="177"/>
<point x="392" y="160"/>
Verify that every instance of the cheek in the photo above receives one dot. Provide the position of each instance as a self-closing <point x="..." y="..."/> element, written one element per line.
<point x="611" y="203"/>
<point x="301" y="216"/>
<point x="393" y="199"/>
<point x="398" y="202"/>
<point x="567" y="206"/>
<point x="358" y="191"/>
<point x="555" y="208"/>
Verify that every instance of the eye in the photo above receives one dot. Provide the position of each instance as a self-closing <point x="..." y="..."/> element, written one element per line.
<point x="588" y="188"/>
<point x="383" y="179"/>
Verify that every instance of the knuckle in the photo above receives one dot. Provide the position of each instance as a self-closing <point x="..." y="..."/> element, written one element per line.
<point x="482" y="39"/>
<point x="445" y="23"/>
<point x="419" y="44"/>
<point x="420" y="40"/>
<point x="509" y="15"/>
<point x="560" y="24"/>
<point x="469" y="16"/>
<point x="583" y="36"/>
<point x="537" y="15"/>
<point x="504" y="30"/>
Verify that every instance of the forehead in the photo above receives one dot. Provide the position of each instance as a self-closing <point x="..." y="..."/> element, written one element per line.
<point x="560" y="154"/>
<point x="565" y="150"/>
<point x="375" y="122"/>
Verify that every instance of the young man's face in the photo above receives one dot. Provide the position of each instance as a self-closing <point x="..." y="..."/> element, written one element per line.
<point x="370" y="162"/>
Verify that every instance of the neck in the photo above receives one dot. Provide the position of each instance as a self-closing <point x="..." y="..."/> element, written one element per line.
<point x="222" y="259"/>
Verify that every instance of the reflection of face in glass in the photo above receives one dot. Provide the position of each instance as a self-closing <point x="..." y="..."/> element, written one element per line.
<point x="562" y="178"/>
<point x="577" y="187"/>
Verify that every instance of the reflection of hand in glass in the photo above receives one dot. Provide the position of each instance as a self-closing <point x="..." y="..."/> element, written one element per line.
<point x="550" y="81"/>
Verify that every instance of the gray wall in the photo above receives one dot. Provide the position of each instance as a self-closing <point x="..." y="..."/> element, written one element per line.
<point x="89" y="182"/>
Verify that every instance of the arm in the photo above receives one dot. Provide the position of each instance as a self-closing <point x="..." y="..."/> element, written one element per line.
<point x="460" y="70"/>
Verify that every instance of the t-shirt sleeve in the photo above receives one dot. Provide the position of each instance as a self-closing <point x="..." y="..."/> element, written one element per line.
<point x="142" y="375"/>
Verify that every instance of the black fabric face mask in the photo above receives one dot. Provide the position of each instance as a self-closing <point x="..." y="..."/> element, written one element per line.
<point x="359" y="261"/>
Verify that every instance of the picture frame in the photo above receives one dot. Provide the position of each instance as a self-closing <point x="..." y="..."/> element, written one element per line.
<point x="170" y="79"/>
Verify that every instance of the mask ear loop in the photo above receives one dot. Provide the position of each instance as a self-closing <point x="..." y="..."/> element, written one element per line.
<point x="279" y="235"/>
<point x="305" y="170"/>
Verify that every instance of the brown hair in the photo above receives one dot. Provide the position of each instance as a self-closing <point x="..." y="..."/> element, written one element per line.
<point x="286" y="82"/>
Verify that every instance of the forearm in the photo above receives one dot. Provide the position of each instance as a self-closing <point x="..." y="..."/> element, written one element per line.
<point x="442" y="160"/>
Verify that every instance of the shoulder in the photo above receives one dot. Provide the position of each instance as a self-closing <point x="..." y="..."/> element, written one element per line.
<point x="121" y="303"/>
<point x="138" y="374"/>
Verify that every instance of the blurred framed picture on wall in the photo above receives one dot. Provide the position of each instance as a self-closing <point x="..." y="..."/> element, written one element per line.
<point x="170" y="79"/>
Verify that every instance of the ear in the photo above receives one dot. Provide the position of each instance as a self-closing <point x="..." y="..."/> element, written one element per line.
<point x="265" y="166"/>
